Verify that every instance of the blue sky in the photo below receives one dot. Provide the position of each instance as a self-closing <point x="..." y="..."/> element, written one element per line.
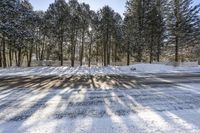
<point x="117" y="5"/>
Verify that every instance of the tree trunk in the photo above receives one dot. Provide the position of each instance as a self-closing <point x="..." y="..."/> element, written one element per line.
<point x="19" y="57"/>
<point x="106" y="60"/>
<point x="0" y="57"/>
<point x="10" y="54"/>
<point x="115" y="53"/>
<point x="90" y="52"/>
<point x="39" y="53"/>
<point x="72" y="52"/>
<point x="61" y="51"/>
<point x="199" y="60"/>
<point x="82" y="48"/>
<point x="97" y="55"/>
<point x="104" y="54"/>
<point x="139" y="56"/>
<point x="151" y="47"/>
<point x="36" y="52"/>
<point x="128" y="54"/>
<point x="108" y="51"/>
<point x="16" y="59"/>
<point x="176" y="50"/>
<point x="73" y="49"/>
<point x="10" y="57"/>
<point x="158" y="50"/>
<point x="48" y="53"/>
<point x="42" y="52"/>
<point x="151" y="55"/>
<point x="4" y="53"/>
<point x="30" y="57"/>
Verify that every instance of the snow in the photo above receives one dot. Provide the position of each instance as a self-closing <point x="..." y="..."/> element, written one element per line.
<point x="161" y="68"/>
<point x="79" y="109"/>
<point x="95" y="70"/>
<point x="116" y="110"/>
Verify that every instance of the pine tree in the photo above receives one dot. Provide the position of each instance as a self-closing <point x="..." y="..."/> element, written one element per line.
<point x="8" y="14"/>
<point x="137" y="9"/>
<point x="117" y="36"/>
<point x="106" y="28"/>
<point x="154" y="29"/>
<point x="127" y="32"/>
<point x="74" y="26"/>
<point x="57" y="16"/>
<point x="84" y="21"/>
<point x="182" y="20"/>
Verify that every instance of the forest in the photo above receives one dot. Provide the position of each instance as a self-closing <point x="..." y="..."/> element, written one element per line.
<point x="69" y="31"/>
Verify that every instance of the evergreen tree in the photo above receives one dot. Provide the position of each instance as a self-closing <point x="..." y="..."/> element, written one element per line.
<point x="137" y="9"/>
<point x="84" y="21"/>
<point x="106" y="28"/>
<point x="74" y="26"/>
<point x="58" y="16"/>
<point x="182" y="22"/>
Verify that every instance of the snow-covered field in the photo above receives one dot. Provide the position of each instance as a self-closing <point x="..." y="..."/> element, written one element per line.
<point x="94" y="70"/>
<point x="116" y="110"/>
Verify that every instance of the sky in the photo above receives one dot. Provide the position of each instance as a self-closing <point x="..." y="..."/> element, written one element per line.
<point x="117" y="5"/>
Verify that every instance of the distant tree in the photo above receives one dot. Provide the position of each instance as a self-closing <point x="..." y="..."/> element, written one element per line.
<point x="136" y="9"/>
<point x="117" y="36"/>
<point x="106" y="28"/>
<point x="74" y="27"/>
<point x="127" y="32"/>
<point x="8" y="14"/>
<point x="182" y="22"/>
<point x="58" y="16"/>
<point x="93" y="36"/>
<point x="85" y="22"/>
<point x="146" y="27"/>
<point x="154" y="30"/>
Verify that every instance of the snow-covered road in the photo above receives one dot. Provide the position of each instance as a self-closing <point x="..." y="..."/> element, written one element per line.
<point x="100" y="110"/>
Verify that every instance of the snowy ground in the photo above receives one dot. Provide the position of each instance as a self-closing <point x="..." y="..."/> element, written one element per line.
<point x="159" y="98"/>
<point x="119" y="70"/>
<point x="111" y="110"/>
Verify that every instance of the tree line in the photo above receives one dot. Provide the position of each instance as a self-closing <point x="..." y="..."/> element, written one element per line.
<point x="72" y="31"/>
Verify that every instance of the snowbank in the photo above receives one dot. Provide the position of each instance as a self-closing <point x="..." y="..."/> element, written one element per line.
<point x="95" y="70"/>
<point x="161" y="68"/>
